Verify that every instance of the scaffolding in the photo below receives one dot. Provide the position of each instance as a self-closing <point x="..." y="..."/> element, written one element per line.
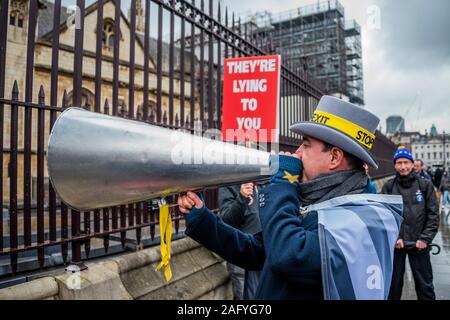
<point x="316" y="40"/>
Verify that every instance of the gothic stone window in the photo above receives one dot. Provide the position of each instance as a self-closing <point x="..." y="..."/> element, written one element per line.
<point x="108" y="34"/>
<point x="17" y="13"/>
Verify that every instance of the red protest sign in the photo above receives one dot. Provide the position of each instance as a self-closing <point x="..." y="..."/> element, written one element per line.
<point x="251" y="87"/>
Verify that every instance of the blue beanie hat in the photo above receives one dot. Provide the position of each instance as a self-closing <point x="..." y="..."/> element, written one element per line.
<point x="403" y="152"/>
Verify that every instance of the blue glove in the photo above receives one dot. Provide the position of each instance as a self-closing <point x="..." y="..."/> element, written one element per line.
<point x="289" y="169"/>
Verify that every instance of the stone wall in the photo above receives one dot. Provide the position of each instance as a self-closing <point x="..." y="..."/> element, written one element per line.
<point x="197" y="274"/>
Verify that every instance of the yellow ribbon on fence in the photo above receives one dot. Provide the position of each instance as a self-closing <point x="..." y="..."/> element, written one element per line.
<point x="165" y="233"/>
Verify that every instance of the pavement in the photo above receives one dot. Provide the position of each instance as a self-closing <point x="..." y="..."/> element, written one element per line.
<point x="440" y="264"/>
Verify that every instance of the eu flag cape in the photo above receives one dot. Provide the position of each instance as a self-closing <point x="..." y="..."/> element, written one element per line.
<point x="357" y="235"/>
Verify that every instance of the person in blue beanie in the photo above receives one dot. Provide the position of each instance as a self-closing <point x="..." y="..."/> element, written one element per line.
<point x="421" y="213"/>
<point x="324" y="236"/>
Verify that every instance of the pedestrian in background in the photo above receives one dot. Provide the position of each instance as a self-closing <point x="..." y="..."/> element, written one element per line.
<point x="429" y="171"/>
<point x="444" y="188"/>
<point x="418" y="168"/>
<point x="371" y="185"/>
<point x="238" y="209"/>
<point x="419" y="227"/>
<point x="437" y="182"/>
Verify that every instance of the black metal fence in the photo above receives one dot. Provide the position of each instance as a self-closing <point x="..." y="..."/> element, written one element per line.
<point x="203" y="39"/>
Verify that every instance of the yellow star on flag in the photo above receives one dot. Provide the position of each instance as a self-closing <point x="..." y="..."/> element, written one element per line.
<point x="289" y="177"/>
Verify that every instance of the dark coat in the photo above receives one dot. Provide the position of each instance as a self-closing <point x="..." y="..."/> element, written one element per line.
<point x="420" y="208"/>
<point x="445" y="183"/>
<point x="235" y="210"/>
<point x="238" y="212"/>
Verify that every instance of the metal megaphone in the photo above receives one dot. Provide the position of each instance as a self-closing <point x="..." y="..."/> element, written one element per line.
<point x="96" y="161"/>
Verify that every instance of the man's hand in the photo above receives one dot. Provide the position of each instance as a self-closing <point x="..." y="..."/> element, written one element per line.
<point x="247" y="190"/>
<point x="187" y="201"/>
<point x="286" y="167"/>
<point x="400" y="244"/>
<point x="421" y="245"/>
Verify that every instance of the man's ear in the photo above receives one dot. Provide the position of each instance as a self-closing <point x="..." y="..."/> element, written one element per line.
<point x="337" y="158"/>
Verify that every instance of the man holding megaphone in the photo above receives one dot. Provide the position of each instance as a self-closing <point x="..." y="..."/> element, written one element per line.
<point x="324" y="236"/>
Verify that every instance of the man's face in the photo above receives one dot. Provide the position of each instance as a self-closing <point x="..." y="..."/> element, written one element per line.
<point x="417" y="166"/>
<point x="404" y="166"/>
<point x="315" y="161"/>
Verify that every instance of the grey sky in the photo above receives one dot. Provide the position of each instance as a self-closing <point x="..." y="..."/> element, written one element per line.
<point x="406" y="54"/>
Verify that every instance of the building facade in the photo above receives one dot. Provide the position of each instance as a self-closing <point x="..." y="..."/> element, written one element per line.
<point x="404" y="138"/>
<point x="433" y="150"/>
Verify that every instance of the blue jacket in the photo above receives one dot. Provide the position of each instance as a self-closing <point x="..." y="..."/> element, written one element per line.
<point x="371" y="187"/>
<point x="424" y="175"/>
<point x="290" y="269"/>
